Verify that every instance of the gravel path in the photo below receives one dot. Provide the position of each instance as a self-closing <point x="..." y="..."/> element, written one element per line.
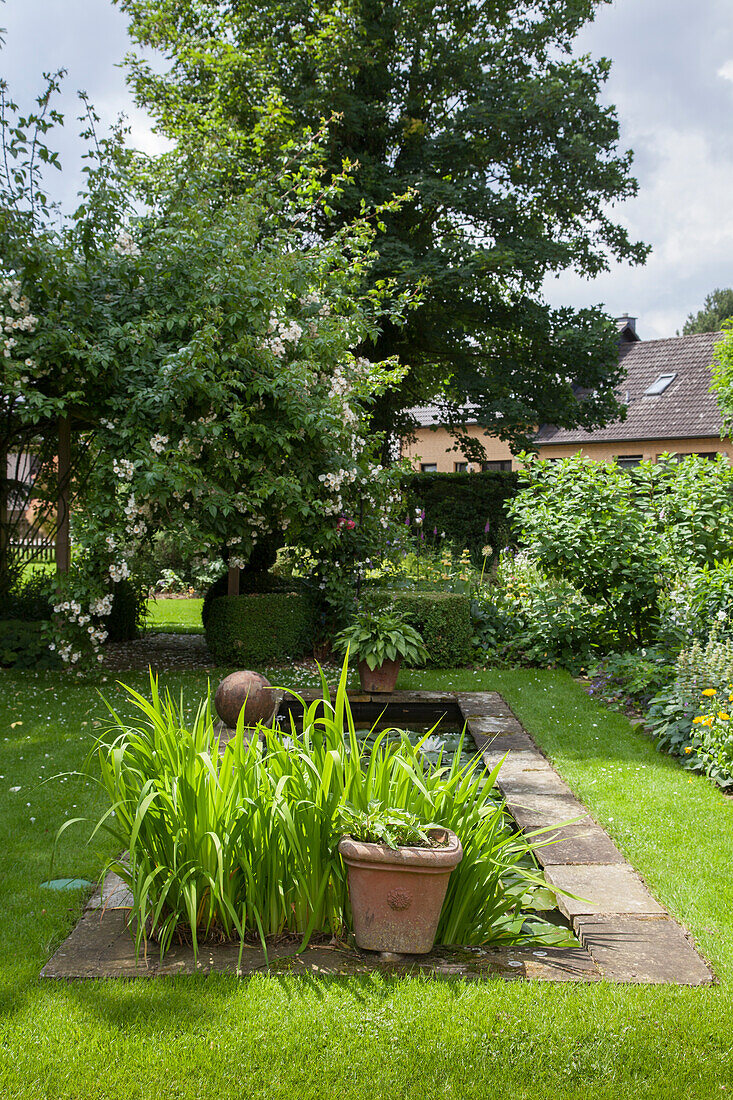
<point x="161" y="652"/>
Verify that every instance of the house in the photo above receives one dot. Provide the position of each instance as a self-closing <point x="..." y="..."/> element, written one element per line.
<point x="669" y="408"/>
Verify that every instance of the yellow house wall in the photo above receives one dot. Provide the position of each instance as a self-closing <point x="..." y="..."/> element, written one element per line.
<point x="648" y="449"/>
<point x="435" y="446"/>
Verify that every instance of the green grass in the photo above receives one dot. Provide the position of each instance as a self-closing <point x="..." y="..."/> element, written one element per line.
<point x="175" y="616"/>
<point x="280" y="1037"/>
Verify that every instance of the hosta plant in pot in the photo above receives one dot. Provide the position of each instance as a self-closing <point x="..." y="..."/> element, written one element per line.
<point x="398" y="872"/>
<point x="379" y="641"/>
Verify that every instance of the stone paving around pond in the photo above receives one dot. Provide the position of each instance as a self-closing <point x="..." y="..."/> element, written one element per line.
<point x="624" y="933"/>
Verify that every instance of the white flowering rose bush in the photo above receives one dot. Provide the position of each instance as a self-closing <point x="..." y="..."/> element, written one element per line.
<point x="204" y="354"/>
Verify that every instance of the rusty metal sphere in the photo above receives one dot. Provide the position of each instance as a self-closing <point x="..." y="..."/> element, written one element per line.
<point x="248" y="690"/>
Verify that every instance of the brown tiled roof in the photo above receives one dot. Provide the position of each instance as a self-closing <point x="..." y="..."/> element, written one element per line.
<point x="685" y="409"/>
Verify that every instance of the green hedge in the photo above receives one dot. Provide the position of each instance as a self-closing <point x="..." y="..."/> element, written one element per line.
<point x="260" y="627"/>
<point x="461" y="505"/>
<point x="23" y="645"/>
<point x="250" y="582"/>
<point x="129" y="608"/>
<point x="442" y="618"/>
<point x="31" y="599"/>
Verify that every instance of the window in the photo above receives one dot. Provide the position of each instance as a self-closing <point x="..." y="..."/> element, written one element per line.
<point x="628" y="460"/>
<point x="460" y="467"/>
<point x="660" y="385"/>
<point x="428" y="467"/>
<point x="502" y="464"/>
<point x="679" y="456"/>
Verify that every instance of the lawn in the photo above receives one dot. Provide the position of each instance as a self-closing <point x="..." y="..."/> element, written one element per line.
<point x="174" y="616"/>
<point x="372" y="1037"/>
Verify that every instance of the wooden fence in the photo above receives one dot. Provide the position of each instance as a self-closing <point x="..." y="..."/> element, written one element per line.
<point x="35" y="548"/>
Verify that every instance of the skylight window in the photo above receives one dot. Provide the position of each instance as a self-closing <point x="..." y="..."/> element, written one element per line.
<point x="660" y="385"/>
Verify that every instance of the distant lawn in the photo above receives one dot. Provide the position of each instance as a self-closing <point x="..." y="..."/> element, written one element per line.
<point x="175" y="616"/>
<point x="275" y="1037"/>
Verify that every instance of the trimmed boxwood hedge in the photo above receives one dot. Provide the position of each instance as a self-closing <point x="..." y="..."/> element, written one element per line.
<point x="443" y="619"/>
<point x="250" y="581"/>
<point x="259" y="628"/>
<point x="129" y="608"/>
<point x="461" y="505"/>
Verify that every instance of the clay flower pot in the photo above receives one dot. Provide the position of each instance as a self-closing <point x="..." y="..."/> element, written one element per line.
<point x="381" y="679"/>
<point x="397" y="893"/>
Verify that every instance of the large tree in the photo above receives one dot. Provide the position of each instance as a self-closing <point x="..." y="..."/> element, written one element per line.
<point x="717" y="308"/>
<point x="479" y="111"/>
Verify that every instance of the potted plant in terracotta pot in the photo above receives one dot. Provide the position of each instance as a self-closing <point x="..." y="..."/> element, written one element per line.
<point x="380" y="641"/>
<point x="398" y="876"/>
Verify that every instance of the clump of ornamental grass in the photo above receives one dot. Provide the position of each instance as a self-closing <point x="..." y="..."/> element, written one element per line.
<point x="242" y="842"/>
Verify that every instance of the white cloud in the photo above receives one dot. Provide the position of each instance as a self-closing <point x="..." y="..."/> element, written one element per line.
<point x="674" y="112"/>
<point x="685" y="211"/>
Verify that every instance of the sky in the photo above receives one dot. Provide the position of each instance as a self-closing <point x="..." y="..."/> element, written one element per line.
<point x="671" y="82"/>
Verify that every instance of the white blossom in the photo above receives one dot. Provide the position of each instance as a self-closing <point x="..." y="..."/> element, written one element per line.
<point x="125" y="245"/>
<point x="158" y="442"/>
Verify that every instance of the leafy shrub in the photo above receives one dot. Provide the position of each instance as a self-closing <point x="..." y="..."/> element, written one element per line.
<point x="462" y="506"/>
<point x="31" y="598"/>
<point x="259" y="627"/>
<point x="529" y="617"/>
<point x="672" y="712"/>
<point x="633" y="678"/>
<point x="24" y="645"/>
<point x="172" y="583"/>
<point x="698" y="603"/>
<point x="443" y="569"/>
<point x="246" y="842"/>
<point x="169" y="568"/>
<point x="443" y="619"/>
<point x="616" y="533"/>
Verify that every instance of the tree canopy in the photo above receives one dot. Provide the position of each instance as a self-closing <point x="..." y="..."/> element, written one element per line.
<point x="722" y="385"/>
<point x="717" y="308"/>
<point x="483" y="116"/>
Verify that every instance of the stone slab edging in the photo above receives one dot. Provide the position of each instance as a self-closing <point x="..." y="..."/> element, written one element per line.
<point x="629" y="935"/>
<point x="624" y="933"/>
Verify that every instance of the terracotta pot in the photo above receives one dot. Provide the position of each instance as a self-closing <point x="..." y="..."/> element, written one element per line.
<point x="381" y="679"/>
<point x="397" y="894"/>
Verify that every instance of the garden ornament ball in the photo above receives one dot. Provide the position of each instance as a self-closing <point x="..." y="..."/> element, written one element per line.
<point x="248" y="690"/>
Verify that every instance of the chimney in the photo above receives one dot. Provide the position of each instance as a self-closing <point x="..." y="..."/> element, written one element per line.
<point x="626" y="326"/>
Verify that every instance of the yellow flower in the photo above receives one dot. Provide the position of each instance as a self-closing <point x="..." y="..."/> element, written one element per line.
<point x="688" y="749"/>
<point x="723" y="716"/>
<point x="699" y="720"/>
<point x="730" y="698"/>
<point x="710" y="691"/>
